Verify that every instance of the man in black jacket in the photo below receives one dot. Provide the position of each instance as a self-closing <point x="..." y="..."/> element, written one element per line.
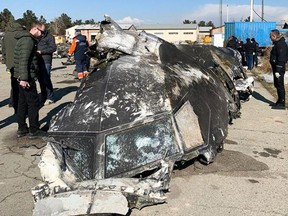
<point x="25" y="71"/>
<point x="8" y="45"/>
<point x="232" y="43"/>
<point x="255" y="53"/>
<point x="46" y="47"/>
<point x="278" y="59"/>
<point x="249" y="49"/>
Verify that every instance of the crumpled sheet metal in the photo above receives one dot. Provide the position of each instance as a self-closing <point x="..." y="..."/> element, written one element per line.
<point x="129" y="117"/>
<point x="82" y="203"/>
<point x="227" y="59"/>
<point x="60" y="195"/>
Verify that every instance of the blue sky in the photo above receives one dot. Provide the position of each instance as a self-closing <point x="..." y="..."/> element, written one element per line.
<point x="150" y="11"/>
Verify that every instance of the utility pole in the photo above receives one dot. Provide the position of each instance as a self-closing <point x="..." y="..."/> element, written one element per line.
<point x="227" y="14"/>
<point x="220" y="12"/>
<point x="262" y="14"/>
<point x="251" y="10"/>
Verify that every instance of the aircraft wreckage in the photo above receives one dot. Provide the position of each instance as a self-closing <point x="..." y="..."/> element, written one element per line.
<point x="149" y="105"/>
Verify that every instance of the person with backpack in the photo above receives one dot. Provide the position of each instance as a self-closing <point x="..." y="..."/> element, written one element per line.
<point x="278" y="59"/>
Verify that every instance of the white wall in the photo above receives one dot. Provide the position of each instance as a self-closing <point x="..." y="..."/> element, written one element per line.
<point x="218" y="40"/>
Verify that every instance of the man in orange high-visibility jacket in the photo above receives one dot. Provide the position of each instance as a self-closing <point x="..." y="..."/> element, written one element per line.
<point x="79" y="47"/>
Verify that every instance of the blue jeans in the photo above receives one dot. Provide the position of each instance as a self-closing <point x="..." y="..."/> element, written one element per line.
<point x="249" y="59"/>
<point x="45" y="82"/>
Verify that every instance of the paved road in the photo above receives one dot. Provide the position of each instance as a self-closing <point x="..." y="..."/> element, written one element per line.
<point x="250" y="177"/>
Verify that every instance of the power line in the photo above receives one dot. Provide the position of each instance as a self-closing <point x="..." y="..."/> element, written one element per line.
<point x="259" y="15"/>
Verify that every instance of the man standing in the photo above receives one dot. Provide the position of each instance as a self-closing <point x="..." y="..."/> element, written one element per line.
<point x="46" y="47"/>
<point x="79" y="47"/>
<point x="249" y="49"/>
<point x="255" y="53"/>
<point x="8" y="45"/>
<point x="232" y="42"/>
<point x="278" y="59"/>
<point x="25" y="71"/>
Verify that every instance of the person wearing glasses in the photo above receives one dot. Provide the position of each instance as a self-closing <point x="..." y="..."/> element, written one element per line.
<point x="46" y="47"/>
<point x="25" y="71"/>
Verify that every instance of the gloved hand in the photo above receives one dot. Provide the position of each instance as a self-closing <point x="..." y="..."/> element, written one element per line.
<point x="277" y="75"/>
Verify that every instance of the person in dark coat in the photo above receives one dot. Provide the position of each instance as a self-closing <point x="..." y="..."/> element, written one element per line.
<point x="232" y="43"/>
<point x="8" y="45"/>
<point x="25" y="71"/>
<point x="45" y="50"/>
<point x="79" y="47"/>
<point x="240" y="48"/>
<point x="255" y="53"/>
<point x="249" y="50"/>
<point x="278" y="59"/>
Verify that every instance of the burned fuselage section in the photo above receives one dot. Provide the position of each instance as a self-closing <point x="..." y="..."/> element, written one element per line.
<point x="226" y="64"/>
<point x="149" y="107"/>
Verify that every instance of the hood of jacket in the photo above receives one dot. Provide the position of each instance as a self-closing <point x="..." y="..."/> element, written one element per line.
<point x="81" y="38"/>
<point x="281" y="38"/>
<point x="15" y="27"/>
<point x="21" y="34"/>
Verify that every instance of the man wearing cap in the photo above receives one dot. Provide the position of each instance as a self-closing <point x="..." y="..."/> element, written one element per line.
<point x="79" y="47"/>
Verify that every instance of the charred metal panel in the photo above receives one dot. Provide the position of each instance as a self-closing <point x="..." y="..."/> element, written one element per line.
<point x="135" y="91"/>
<point x="79" y="151"/>
<point x="223" y="61"/>
<point x="84" y="114"/>
<point x="206" y="93"/>
<point x="189" y="128"/>
<point x="139" y="146"/>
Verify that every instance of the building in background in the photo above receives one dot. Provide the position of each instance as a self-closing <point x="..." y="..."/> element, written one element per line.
<point x="172" y="33"/>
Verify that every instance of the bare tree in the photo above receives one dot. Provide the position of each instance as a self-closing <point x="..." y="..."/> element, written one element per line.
<point x="59" y="25"/>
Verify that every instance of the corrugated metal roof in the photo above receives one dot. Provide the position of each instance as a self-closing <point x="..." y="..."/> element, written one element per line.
<point x="97" y="26"/>
<point x="88" y="26"/>
<point x="168" y="27"/>
<point x="205" y="28"/>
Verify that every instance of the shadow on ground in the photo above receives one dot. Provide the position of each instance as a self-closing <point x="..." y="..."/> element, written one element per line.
<point x="260" y="97"/>
<point x="225" y="162"/>
<point x="9" y="120"/>
<point x="61" y="92"/>
<point x="58" y="68"/>
<point x="4" y="102"/>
